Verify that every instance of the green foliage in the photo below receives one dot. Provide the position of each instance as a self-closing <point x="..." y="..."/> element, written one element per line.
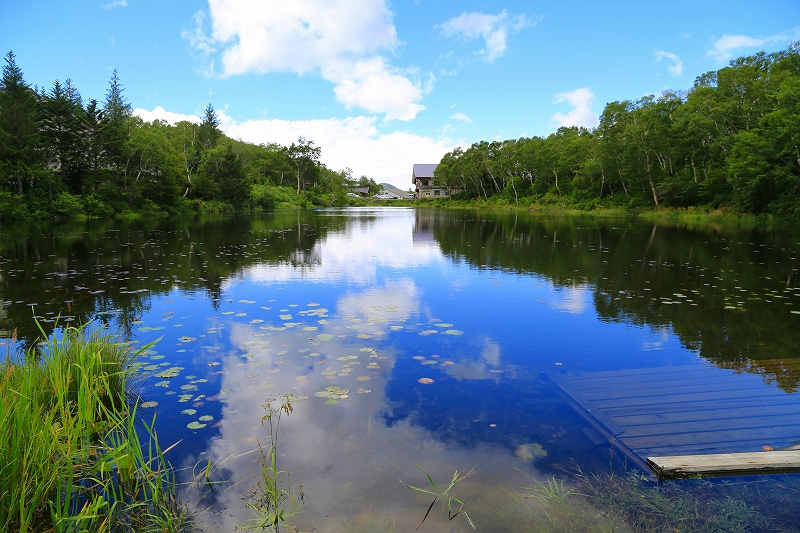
<point x="71" y="455"/>
<point x="273" y="500"/>
<point x="67" y="205"/>
<point x="448" y="500"/>
<point x="94" y="207"/>
<point x="113" y="164"/>
<point x="729" y="141"/>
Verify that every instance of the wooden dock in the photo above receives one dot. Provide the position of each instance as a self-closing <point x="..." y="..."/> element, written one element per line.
<point x="669" y="413"/>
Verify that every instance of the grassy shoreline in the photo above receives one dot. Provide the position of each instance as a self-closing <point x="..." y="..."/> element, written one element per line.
<point x="697" y="216"/>
<point x="70" y="454"/>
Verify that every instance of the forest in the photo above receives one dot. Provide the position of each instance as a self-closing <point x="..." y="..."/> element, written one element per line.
<point x="63" y="156"/>
<point x="731" y="141"/>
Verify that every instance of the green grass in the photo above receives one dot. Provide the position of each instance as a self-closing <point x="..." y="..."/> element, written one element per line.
<point x="273" y="500"/>
<point x="70" y="454"/>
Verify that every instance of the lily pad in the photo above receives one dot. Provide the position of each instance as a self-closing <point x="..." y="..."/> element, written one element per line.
<point x="195" y="425"/>
<point x="206" y="418"/>
<point x="425" y="381"/>
<point x="149" y="405"/>
<point x="189" y="412"/>
<point x="324" y="336"/>
<point x="454" y="332"/>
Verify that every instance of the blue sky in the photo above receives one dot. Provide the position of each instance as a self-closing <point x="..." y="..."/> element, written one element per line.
<point x="381" y="85"/>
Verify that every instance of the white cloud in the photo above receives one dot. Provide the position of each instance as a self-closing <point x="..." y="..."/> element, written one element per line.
<point x="581" y="114"/>
<point x="116" y="3"/>
<point x="723" y="48"/>
<point x="159" y="113"/>
<point x="460" y="116"/>
<point x="344" y="41"/>
<point x="353" y="142"/>
<point x="493" y="29"/>
<point x="676" y="68"/>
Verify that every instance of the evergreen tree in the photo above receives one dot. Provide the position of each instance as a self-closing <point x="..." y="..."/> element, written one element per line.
<point x="62" y="127"/>
<point x="21" y="157"/>
<point x="209" y="132"/>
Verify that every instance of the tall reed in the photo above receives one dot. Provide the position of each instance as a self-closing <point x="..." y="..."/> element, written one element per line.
<point x="70" y="454"/>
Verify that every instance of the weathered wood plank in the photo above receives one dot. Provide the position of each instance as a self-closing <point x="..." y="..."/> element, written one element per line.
<point x="610" y="391"/>
<point x="687" y="411"/>
<point x="730" y="414"/>
<point x="664" y="371"/>
<point x="685" y="396"/>
<point x="717" y="447"/>
<point x="679" y="428"/>
<point x="725" y="463"/>
<point x="767" y="434"/>
<point x="693" y="376"/>
<point x="768" y="403"/>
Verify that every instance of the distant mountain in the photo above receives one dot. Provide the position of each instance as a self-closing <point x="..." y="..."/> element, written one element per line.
<point x="394" y="190"/>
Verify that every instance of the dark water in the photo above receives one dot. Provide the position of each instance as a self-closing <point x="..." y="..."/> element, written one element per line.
<point x="370" y="301"/>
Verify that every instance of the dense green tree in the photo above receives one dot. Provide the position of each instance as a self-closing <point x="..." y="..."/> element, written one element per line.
<point x="224" y="176"/>
<point x="62" y="128"/>
<point x="209" y="133"/>
<point x="21" y="154"/>
<point x="304" y="160"/>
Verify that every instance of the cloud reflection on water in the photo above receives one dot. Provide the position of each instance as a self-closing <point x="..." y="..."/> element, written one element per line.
<point x="347" y="456"/>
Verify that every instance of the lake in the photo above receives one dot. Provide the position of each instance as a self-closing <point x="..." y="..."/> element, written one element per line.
<point x="412" y="337"/>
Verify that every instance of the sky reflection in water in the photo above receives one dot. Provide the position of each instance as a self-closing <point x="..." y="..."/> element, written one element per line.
<point x="391" y="296"/>
<point x="373" y="300"/>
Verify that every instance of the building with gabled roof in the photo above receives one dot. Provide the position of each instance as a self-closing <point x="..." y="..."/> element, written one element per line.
<point x="422" y="178"/>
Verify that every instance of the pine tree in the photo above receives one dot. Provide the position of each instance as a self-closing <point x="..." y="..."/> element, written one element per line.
<point x="21" y="159"/>
<point x="209" y="133"/>
<point x="62" y="128"/>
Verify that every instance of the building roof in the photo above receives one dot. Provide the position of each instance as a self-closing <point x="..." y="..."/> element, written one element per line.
<point x="423" y="170"/>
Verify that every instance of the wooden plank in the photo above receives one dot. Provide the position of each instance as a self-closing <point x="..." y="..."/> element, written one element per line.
<point x="717" y="447"/>
<point x="613" y="428"/>
<point x="598" y="424"/>
<point x="629" y="380"/>
<point x="725" y="463"/>
<point x="664" y="371"/>
<point x="735" y="403"/>
<point x="686" y="411"/>
<point x="706" y="426"/>
<point x="767" y="434"/>
<point x="689" y="397"/>
<point x="680" y="415"/>
<point x="666" y="389"/>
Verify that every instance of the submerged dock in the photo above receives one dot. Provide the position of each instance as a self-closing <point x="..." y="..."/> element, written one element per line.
<point x="687" y="420"/>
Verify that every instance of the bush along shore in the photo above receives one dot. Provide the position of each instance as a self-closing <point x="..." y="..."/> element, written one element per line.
<point x="71" y="455"/>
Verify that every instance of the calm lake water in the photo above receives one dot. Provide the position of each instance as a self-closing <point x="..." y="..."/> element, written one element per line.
<point x="408" y="337"/>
